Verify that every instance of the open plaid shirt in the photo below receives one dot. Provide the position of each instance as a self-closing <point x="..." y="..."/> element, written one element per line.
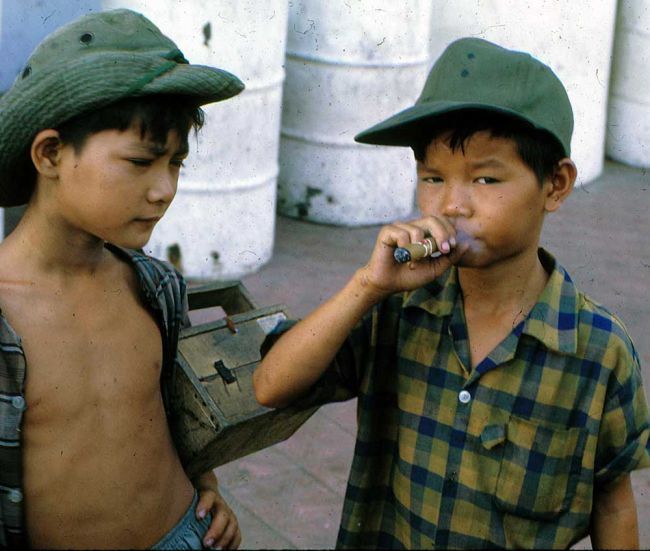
<point x="163" y="291"/>
<point x="506" y="454"/>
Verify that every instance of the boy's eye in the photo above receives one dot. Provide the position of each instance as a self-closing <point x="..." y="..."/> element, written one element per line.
<point x="486" y="180"/>
<point x="140" y="162"/>
<point x="431" y="179"/>
<point x="177" y="162"/>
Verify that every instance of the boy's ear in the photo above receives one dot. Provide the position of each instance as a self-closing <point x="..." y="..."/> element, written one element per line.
<point x="46" y="152"/>
<point x="560" y="185"/>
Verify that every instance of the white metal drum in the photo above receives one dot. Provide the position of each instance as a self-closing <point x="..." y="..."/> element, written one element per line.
<point x="573" y="37"/>
<point x="349" y="65"/>
<point x="628" y="125"/>
<point x="221" y="223"/>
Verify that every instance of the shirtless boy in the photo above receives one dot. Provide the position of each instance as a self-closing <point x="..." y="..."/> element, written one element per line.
<point x="498" y="406"/>
<point x="92" y="137"/>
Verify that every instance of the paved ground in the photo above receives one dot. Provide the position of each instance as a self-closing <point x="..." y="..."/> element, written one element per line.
<point x="290" y="495"/>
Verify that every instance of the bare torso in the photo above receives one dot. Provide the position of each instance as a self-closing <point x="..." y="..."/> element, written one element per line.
<point x="100" y="469"/>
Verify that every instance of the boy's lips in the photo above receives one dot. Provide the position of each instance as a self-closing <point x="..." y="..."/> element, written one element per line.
<point x="148" y="221"/>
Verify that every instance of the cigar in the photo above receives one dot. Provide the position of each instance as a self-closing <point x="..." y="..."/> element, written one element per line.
<point x="415" y="251"/>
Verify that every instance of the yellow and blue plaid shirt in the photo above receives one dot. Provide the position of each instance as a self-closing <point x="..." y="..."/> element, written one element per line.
<point x="504" y="455"/>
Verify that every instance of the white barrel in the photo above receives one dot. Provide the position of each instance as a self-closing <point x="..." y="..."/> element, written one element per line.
<point x="222" y="220"/>
<point x="573" y="37"/>
<point x="628" y="125"/>
<point x="349" y="65"/>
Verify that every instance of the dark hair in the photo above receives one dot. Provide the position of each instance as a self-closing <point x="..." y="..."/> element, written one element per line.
<point x="155" y="115"/>
<point x="538" y="149"/>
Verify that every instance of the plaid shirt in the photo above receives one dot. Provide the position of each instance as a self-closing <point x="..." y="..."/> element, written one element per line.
<point x="163" y="291"/>
<point x="503" y="455"/>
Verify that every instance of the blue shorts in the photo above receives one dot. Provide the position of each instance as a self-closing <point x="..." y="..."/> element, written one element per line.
<point x="188" y="532"/>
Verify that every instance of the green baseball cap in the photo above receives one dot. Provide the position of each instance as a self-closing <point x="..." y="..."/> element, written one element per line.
<point x="476" y="74"/>
<point x="89" y="63"/>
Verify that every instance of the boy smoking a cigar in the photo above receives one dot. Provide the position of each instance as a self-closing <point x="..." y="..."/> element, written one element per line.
<point x="498" y="406"/>
<point x="92" y="137"/>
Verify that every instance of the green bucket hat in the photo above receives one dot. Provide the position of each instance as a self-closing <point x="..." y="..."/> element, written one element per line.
<point x="89" y="63"/>
<point x="476" y="74"/>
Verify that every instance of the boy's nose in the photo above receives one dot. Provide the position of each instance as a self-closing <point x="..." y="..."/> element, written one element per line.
<point x="163" y="189"/>
<point x="455" y="200"/>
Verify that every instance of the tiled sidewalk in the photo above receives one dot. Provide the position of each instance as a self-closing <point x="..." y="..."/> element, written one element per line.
<point x="290" y="495"/>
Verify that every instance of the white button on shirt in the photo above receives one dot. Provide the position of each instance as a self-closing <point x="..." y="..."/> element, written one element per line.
<point x="18" y="402"/>
<point x="464" y="396"/>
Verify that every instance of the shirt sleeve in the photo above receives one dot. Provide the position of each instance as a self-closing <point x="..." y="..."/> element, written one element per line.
<point x="623" y="438"/>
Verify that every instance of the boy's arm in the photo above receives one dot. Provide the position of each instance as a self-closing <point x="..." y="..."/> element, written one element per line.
<point x="224" y="528"/>
<point x="614" y="520"/>
<point x="298" y="359"/>
<point x="301" y="355"/>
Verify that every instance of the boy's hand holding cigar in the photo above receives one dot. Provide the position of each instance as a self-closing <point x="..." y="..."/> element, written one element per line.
<point x="384" y="275"/>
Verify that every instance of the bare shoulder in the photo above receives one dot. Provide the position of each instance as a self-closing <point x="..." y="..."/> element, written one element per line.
<point x="11" y="270"/>
<point x="17" y="285"/>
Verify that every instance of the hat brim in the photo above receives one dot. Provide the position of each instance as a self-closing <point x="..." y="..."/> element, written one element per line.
<point x="405" y="128"/>
<point x="205" y="84"/>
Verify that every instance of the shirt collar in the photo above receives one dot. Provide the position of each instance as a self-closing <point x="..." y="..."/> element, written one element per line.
<point x="438" y="297"/>
<point x="553" y="320"/>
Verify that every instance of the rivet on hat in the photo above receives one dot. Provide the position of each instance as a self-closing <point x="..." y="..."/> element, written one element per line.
<point x="86" y="38"/>
<point x="470" y="55"/>
<point x="27" y="71"/>
<point x="464" y="73"/>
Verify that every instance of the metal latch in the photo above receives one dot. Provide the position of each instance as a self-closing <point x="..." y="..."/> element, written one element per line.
<point x="226" y="374"/>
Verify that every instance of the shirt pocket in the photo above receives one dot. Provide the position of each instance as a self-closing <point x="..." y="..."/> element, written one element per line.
<point x="539" y="470"/>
